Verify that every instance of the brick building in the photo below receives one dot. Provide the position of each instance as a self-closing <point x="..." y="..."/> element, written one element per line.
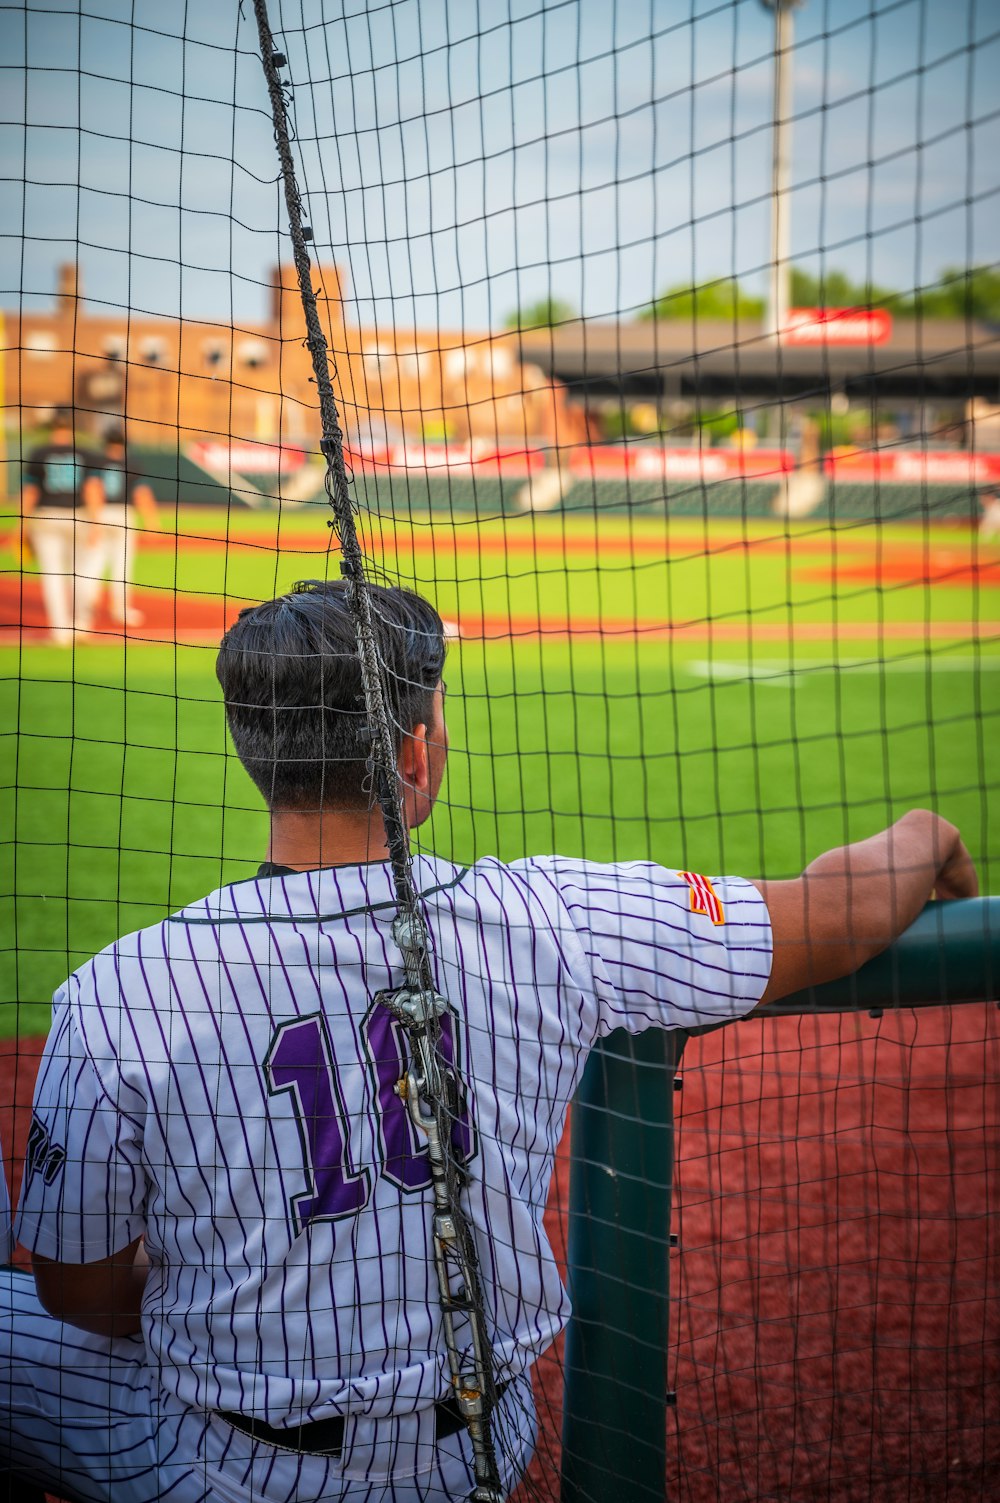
<point x="253" y="383"/>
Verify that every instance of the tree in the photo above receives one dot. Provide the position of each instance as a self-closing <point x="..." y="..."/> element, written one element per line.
<point x="961" y="292"/>
<point x="834" y="289"/>
<point x="724" y="298"/>
<point x="541" y="315"/>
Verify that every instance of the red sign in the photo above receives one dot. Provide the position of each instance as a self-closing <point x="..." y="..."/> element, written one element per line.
<point x="245" y="459"/>
<point x="645" y="462"/>
<point x="913" y="466"/>
<point x="826" y="326"/>
<point x="475" y="458"/>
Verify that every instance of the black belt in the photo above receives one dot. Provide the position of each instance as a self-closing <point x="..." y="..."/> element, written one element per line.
<point x="326" y="1437"/>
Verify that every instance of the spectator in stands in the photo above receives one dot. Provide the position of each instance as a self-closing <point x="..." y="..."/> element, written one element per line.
<point x="127" y="501"/>
<point x="61" y="505"/>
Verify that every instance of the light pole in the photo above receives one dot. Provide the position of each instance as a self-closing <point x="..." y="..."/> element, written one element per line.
<point x="776" y="317"/>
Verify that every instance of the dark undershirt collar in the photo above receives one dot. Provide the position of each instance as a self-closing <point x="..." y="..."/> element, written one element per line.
<point x="272" y="869"/>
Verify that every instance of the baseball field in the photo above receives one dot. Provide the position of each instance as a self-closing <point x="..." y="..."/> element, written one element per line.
<point x="727" y="697"/>
<point x="724" y="697"/>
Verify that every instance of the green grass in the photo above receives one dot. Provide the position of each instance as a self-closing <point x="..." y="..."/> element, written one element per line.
<point x="591" y="583"/>
<point x="120" y="801"/>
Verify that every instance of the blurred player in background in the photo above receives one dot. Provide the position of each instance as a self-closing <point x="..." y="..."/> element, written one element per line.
<point x="61" y="503"/>
<point x="127" y="501"/>
<point x="989" y="520"/>
<point x="229" y="1213"/>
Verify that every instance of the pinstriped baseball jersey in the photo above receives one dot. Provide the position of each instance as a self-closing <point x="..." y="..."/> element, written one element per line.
<point x="225" y="1084"/>
<point x="6" y="1233"/>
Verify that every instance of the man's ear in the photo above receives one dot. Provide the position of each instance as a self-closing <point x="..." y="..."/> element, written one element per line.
<point x="414" y="766"/>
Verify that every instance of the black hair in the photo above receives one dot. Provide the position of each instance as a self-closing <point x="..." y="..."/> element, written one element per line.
<point x="114" y="436"/>
<point x="291" y="679"/>
<point x="63" y="417"/>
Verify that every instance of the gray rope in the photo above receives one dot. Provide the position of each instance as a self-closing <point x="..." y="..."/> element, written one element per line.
<point x="430" y="1087"/>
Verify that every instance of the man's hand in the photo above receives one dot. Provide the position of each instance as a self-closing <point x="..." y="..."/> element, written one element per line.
<point x="30" y="497"/>
<point x="103" y="1297"/>
<point x="92" y="496"/>
<point x="958" y="879"/>
<point x="145" y="505"/>
<point x="851" y="903"/>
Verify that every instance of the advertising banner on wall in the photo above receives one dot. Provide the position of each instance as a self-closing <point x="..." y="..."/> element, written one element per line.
<point x="645" y="462"/>
<point x="913" y="466"/>
<point x="475" y="458"/>
<point x="218" y="457"/>
<point x="837" y="326"/>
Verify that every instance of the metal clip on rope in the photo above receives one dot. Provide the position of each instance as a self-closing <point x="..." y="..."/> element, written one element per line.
<point x="423" y="1089"/>
<point x="416" y="1004"/>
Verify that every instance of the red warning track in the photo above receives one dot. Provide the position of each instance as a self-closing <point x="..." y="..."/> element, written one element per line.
<point x="494" y="628"/>
<point x="838" y="1279"/>
<point x="169" y="616"/>
<point x="955" y="567"/>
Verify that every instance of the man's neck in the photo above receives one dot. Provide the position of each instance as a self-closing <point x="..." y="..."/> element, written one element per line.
<point x="307" y="840"/>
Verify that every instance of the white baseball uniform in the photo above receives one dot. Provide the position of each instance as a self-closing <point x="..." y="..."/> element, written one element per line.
<point x="66" y="543"/>
<point x="6" y="1232"/>
<point x="224" y="1084"/>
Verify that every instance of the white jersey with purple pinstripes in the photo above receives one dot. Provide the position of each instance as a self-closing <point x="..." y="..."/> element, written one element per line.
<point x="224" y="1084"/>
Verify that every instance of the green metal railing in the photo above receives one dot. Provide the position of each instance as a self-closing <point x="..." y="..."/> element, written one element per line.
<point x="614" y="1440"/>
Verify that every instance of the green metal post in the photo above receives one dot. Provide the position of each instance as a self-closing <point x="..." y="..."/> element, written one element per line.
<point x="621" y="1178"/>
<point x="621" y="1174"/>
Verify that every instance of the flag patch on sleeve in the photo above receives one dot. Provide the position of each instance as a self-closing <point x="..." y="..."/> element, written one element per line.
<point x="703" y="897"/>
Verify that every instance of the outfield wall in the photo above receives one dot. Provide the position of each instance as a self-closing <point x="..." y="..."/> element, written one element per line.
<point x="176" y="479"/>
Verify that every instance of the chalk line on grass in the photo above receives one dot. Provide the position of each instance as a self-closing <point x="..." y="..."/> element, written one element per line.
<point x="780" y="672"/>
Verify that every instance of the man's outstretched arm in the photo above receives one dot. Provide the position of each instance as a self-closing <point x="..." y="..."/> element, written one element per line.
<point x="851" y="903"/>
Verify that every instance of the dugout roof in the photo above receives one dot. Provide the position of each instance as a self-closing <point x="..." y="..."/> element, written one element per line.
<point x="932" y="358"/>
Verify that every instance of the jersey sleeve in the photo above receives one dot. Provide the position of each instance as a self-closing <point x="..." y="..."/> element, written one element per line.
<point x="664" y="948"/>
<point x="84" y="1187"/>
<point x="6" y="1234"/>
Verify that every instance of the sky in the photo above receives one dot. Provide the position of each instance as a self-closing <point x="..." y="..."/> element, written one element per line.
<point x="461" y="158"/>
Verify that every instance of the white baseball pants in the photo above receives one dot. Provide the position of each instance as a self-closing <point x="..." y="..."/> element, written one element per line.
<point x="68" y="549"/>
<point x="83" y="1417"/>
<point x="118" y="525"/>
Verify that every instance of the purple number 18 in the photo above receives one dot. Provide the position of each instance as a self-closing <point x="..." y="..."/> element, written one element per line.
<point x="300" y="1062"/>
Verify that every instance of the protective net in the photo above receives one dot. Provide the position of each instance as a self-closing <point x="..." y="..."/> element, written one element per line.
<point x="664" y="363"/>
